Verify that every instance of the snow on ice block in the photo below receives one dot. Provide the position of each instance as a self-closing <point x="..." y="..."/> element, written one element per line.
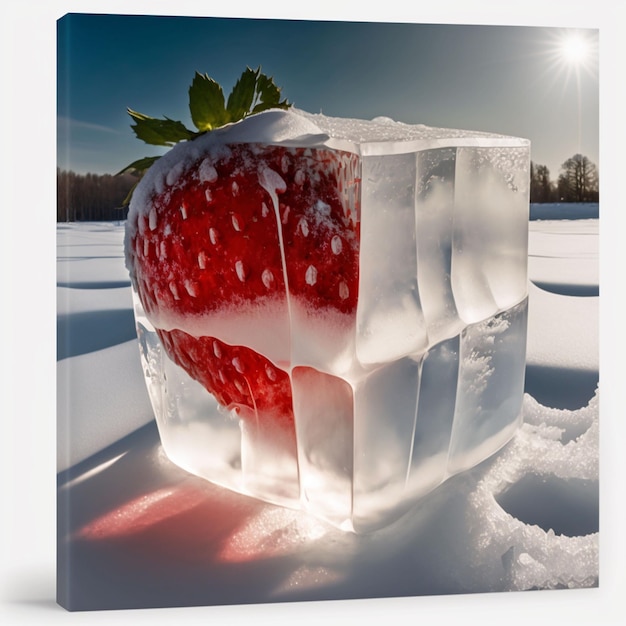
<point x="332" y="313"/>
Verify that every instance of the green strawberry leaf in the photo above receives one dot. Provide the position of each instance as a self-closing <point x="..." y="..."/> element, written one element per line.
<point x="242" y="96"/>
<point x="157" y="132"/>
<point x="129" y="195"/>
<point x="206" y="103"/>
<point x="268" y="95"/>
<point x="140" y="166"/>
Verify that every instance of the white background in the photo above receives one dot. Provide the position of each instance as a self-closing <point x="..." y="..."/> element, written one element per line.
<point x="28" y="301"/>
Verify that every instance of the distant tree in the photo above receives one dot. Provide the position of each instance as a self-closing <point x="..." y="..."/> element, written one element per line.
<point x="82" y="197"/>
<point x="542" y="189"/>
<point x="578" y="181"/>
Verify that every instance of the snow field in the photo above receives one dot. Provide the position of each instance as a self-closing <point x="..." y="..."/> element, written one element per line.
<point x="501" y="526"/>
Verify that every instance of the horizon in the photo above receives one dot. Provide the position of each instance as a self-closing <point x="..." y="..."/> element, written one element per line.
<point x="526" y="81"/>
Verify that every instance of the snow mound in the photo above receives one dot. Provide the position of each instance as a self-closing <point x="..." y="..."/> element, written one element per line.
<point x="544" y="452"/>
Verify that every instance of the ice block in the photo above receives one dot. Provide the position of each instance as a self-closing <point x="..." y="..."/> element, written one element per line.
<point x="388" y="315"/>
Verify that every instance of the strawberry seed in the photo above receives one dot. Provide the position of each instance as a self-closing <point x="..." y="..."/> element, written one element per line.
<point x="336" y="244"/>
<point x="311" y="275"/>
<point x="268" y="278"/>
<point x="241" y="271"/>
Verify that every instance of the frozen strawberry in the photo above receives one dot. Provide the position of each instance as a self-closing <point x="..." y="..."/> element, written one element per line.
<point x="239" y="378"/>
<point x="230" y="227"/>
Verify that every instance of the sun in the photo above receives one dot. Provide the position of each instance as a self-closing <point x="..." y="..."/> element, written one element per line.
<point x="571" y="53"/>
<point x="574" y="49"/>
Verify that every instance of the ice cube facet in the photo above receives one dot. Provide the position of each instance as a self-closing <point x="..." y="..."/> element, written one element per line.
<point x="424" y="379"/>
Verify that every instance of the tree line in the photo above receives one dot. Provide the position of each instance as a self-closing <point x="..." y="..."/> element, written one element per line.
<point x="100" y="197"/>
<point x="91" y="197"/>
<point x="577" y="182"/>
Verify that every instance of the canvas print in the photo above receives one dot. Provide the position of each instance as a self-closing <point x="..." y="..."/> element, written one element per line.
<point x="327" y="310"/>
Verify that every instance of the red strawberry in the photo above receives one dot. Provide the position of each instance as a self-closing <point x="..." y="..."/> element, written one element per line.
<point x="229" y="228"/>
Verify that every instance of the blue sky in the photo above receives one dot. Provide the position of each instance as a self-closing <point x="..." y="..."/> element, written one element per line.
<point x="506" y="79"/>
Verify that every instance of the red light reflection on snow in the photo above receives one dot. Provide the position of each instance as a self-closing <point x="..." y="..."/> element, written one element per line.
<point x="194" y="522"/>
<point x="138" y="514"/>
<point x="184" y="523"/>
